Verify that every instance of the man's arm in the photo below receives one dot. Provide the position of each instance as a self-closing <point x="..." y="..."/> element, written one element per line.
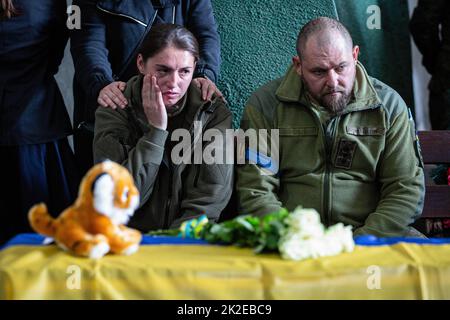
<point x="257" y="191"/>
<point x="88" y="47"/>
<point x="60" y="36"/>
<point x="424" y="27"/>
<point x="202" y="24"/>
<point x="401" y="181"/>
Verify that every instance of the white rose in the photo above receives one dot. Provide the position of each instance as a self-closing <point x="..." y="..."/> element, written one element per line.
<point x="293" y="247"/>
<point x="341" y="234"/>
<point x="334" y="245"/>
<point x="306" y="237"/>
<point x="318" y="247"/>
<point x="347" y="239"/>
<point x="305" y="222"/>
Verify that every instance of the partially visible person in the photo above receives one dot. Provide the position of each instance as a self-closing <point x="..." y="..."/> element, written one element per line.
<point x="430" y="29"/>
<point x="36" y="160"/>
<point x="347" y="144"/>
<point x="104" y="51"/>
<point x="162" y="99"/>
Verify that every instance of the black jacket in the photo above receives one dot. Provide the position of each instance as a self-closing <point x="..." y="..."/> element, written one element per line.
<point x="430" y="28"/>
<point x="105" y="48"/>
<point x="31" y="49"/>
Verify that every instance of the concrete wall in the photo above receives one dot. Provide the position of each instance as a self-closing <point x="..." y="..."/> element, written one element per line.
<point x="258" y="41"/>
<point x="380" y="28"/>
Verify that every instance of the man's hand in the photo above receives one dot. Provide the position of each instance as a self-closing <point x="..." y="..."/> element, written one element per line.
<point x="153" y="103"/>
<point x="208" y="88"/>
<point x="112" y="96"/>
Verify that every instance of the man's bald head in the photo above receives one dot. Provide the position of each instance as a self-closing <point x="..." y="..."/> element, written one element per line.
<point x="324" y="30"/>
<point x="326" y="63"/>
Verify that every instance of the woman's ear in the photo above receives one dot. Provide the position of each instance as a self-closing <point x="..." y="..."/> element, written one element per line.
<point x="140" y="63"/>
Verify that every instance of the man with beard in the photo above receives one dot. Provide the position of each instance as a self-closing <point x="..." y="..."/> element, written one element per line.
<point x="347" y="145"/>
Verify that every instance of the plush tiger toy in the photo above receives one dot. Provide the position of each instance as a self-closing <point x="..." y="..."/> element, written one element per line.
<point x="94" y="225"/>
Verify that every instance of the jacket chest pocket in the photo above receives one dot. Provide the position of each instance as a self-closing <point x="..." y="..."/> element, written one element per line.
<point x="299" y="132"/>
<point x="360" y="149"/>
<point x="299" y="150"/>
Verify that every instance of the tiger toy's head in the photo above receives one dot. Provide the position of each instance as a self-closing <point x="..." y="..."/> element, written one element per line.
<point x="109" y="189"/>
<point x="95" y="224"/>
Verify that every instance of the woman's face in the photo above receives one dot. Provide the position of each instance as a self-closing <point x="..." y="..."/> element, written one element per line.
<point x="173" y="69"/>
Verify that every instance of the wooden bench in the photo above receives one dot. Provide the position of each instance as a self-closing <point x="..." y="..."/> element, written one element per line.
<point x="435" y="147"/>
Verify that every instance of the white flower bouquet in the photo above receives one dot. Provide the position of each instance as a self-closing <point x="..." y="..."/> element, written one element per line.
<point x="296" y="236"/>
<point x="306" y="237"/>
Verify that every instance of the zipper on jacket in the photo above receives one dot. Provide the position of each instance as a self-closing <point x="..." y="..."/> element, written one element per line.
<point x="329" y="131"/>
<point x="323" y="129"/>
<point x="168" y="202"/>
<point x="173" y="14"/>
<point x="125" y="16"/>
<point x="197" y="174"/>
<point x="198" y="117"/>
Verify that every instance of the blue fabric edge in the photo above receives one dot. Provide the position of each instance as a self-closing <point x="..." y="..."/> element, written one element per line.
<point x="369" y="240"/>
<point x="34" y="239"/>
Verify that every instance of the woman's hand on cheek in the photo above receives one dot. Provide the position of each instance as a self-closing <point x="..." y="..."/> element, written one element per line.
<point x="153" y="103"/>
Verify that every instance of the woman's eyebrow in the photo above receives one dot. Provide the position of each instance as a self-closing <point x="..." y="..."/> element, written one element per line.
<point x="169" y="68"/>
<point x="163" y="66"/>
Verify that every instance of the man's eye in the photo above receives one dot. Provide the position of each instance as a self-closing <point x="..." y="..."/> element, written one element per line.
<point x="340" y="68"/>
<point x="318" y="72"/>
<point x="184" y="72"/>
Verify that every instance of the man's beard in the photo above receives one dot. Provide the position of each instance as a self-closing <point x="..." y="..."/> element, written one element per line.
<point x="335" y="105"/>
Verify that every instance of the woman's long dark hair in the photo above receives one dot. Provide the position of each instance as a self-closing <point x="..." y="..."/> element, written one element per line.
<point x="7" y="9"/>
<point x="165" y="35"/>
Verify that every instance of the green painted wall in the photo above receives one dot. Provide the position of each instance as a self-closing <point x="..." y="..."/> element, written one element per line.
<point x="258" y="41"/>
<point x="385" y="52"/>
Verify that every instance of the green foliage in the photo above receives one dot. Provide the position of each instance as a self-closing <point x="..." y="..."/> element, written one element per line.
<point x="260" y="233"/>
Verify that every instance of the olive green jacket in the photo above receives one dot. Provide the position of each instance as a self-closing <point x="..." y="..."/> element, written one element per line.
<point x="169" y="193"/>
<point x="362" y="168"/>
